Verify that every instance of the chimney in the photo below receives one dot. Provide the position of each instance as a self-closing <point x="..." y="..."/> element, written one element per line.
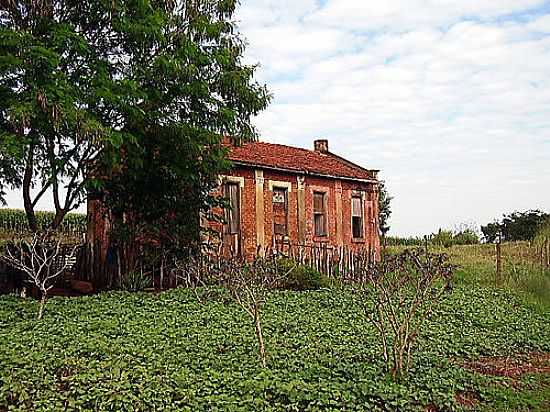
<point x="321" y="145"/>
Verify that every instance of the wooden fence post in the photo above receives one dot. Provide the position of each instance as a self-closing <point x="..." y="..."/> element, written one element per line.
<point x="498" y="263"/>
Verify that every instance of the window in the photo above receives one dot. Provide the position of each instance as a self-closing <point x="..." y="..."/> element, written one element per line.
<point x="232" y="212"/>
<point x="280" y="211"/>
<point x="357" y="216"/>
<point x="320" y="213"/>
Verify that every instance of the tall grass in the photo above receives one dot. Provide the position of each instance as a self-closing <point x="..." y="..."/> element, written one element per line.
<point x="521" y="268"/>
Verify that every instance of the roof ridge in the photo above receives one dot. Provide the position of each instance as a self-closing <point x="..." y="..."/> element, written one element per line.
<point x="298" y="159"/>
<point x="285" y="145"/>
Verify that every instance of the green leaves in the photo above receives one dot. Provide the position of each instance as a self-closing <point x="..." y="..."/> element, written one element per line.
<point x="81" y="82"/>
<point x="150" y="352"/>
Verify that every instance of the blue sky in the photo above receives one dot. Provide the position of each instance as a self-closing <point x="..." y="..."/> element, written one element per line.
<point x="449" y="98"/>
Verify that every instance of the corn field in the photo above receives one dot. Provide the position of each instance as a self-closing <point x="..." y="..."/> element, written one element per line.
<point x="14" y="221"/>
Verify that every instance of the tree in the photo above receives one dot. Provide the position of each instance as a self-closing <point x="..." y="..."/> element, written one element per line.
<point x="51" y="79"/>
<point x="41" y="258"/>
<point x="398" y="295"/>
<point x="133" y="95"/>
<point x="515" y="226"/>
<point x="193" y="90"/>
<point x="384" y="208"/>
<point x="249" y="285"/>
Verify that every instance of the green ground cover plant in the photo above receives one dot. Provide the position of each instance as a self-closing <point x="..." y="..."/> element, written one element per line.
<point x="124" y="351"/>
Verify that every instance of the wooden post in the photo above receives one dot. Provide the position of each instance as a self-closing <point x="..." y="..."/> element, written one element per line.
<point x="498" y="262"/>
<point x="426" y="243"/>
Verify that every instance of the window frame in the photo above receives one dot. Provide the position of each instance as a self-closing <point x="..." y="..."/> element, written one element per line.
<point x="323" y="213"/>
<point x="361" y="216"/>
<point x="285" y="191"/>
<point x="229" y="226"/>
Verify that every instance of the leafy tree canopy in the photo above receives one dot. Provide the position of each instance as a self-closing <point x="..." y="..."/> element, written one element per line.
<point x="515" y="226"/>
<point x="384" y="208"/>
<point x="129" y="96"/>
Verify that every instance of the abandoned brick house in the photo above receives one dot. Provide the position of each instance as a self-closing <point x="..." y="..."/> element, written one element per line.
<point x="281" y="195"/>
<point x="286" y="195"/>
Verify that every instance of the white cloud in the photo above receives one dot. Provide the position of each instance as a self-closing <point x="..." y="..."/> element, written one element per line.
<point x="541" y="24"/>
<point x="398" y="15"/>
<point x="451" y="102"/>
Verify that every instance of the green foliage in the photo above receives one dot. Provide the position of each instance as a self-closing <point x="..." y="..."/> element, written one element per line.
<point x="448" y="238"/>
<point x="384" y="208"/>
<point x="404" y="241"/>
<point x="444" y="238"/>
<point x="54" y="120"/>
<point x="466" y="237"/>
<point x="515" y="226"/>
<point x="136" y="281"/>
<point x="130" y="97"/>
<point x="14" y="221"/>
<point x="299" y="277"/>
<point x="121" y="351"/>
<point x="193" y="89"/>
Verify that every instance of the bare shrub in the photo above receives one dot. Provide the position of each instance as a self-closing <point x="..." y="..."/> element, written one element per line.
<point x="42" y="258"/>
<point x="195" y="270"/>
<point x="398" y="295"/>
<point x="249" y="284"/>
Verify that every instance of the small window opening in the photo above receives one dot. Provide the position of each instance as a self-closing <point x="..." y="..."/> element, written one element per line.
<point x="232" y="212"/>
<point x="280" y="211"/>
<point x="357" y="217"/>
<point x="320" y="213"/>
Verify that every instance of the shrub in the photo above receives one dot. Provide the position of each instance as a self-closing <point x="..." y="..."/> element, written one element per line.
<point x="299" y="277"/>
<point x="400" y="294"/>
<point x="136" y="281"/>
<point x="443" y="238"/>
<point x="466" y="237"/>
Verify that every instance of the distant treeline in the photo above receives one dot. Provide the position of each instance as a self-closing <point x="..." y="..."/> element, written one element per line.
<point x="15" y="221"/>
<point x="513" y="227"/>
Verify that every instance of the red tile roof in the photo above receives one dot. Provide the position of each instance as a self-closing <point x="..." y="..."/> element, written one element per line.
<point x="295" y="159"/>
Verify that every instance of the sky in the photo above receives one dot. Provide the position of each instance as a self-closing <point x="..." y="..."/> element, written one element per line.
<point x="450" y="99"/>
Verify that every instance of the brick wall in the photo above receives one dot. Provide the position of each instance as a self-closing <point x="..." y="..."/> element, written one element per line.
<point x="339" y="217"/>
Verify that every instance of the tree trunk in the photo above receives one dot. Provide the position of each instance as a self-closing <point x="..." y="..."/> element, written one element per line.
<point x="42" y="304"/>
<point x="27" y="183"/>
<point x="260" y="336"/>
<point x="58" y="219"/>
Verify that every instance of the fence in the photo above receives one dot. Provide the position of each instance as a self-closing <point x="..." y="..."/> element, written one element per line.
<point x="335" y="262"/>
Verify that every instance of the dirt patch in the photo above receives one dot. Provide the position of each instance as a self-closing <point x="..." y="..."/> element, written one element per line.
<point x="513" y="366"/>
<point x="467" y="399"/>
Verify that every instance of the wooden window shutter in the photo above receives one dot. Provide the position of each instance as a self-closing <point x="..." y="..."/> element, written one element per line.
<point x="319" y="213"/>
<point x="233" y="212"/>
<point x="280" y="211"/>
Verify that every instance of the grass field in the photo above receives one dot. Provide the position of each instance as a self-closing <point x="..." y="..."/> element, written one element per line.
<point x="119" y="351"/>
<point x="521" y="269"/>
